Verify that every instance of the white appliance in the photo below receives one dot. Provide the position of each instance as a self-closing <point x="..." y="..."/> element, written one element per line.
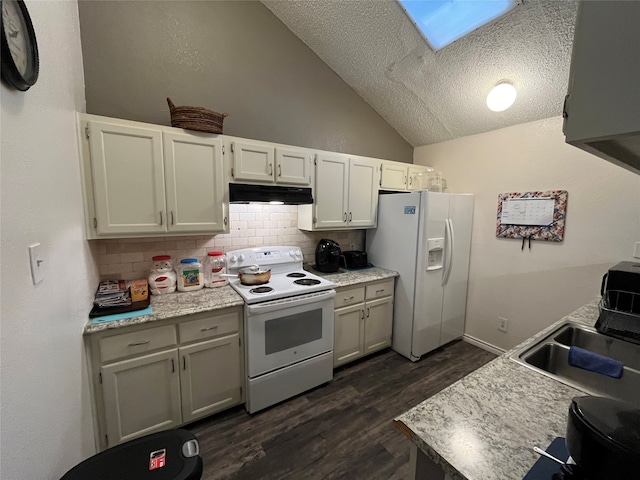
<point x="426" y="238"/>
<point x="288" y="325"/>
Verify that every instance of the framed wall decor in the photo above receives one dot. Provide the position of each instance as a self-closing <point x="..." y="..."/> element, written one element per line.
<point x="534" y="215"/>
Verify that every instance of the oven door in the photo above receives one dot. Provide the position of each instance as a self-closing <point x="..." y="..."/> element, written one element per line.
<point x="286" y="331"/>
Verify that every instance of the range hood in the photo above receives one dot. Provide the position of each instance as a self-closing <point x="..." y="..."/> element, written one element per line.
<point x="244" y="193"/>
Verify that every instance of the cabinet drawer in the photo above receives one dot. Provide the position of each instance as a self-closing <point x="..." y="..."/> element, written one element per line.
<point x="135" y="343"/>
<point x="209" y="327"/>
<point x="379" y="290"/>
<point x="349" y="296"/>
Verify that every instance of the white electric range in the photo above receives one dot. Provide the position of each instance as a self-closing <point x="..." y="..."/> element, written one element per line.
<point x="288" y="324"/>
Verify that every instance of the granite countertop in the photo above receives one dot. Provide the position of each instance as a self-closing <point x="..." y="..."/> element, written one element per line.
<point x="346" y="278"/>
<point x="484" y="426"/>
<point x="176" y="304"/>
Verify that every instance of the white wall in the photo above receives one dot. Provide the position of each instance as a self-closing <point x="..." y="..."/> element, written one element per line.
<point x="46" y="419"/>
<point x="534" y="288"/>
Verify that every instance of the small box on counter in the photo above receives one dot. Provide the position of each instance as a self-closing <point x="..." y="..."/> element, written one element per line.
<point x="139" y="290"/>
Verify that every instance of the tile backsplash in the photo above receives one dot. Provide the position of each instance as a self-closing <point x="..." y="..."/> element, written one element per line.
<point x="251" y="225"/>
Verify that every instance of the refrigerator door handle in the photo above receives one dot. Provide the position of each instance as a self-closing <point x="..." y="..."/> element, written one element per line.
<point x="449" y="246"/>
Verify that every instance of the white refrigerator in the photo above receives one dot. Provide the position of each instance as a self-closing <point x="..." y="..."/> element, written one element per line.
<point x="426" y="238"/>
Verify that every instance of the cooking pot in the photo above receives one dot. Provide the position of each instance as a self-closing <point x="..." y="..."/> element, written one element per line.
<point x="253" y="275"/>
<point x="355" y="259"/>
<point x="603" y="438"/>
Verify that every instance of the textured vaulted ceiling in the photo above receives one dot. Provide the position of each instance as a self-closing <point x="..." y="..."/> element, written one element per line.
<point x="432" y="97"/>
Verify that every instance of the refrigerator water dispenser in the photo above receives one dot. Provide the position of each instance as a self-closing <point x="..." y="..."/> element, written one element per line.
<point x="435" y="252"/>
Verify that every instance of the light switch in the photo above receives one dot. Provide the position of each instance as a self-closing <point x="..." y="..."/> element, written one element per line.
<point x="37" y="267"/>
<point x="636" y="250"/>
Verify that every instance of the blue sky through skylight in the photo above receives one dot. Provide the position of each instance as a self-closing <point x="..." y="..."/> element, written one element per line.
<point x="444" y="21"/>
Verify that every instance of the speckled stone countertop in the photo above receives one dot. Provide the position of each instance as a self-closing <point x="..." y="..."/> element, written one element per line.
<point x="484" y="426"/>
<point x="176" y="304"/>
<point x="345" y="278"/>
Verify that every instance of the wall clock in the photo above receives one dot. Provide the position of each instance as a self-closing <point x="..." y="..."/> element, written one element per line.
<point x="20" y="64"/>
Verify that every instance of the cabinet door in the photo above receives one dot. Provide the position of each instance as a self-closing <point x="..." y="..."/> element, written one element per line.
<point x="253" y="162"/>
<point x="293" y="167"/>
<point x="416" y="178"/>
<point x="210" y="377"/>
<point x="128" y="178"/>
<point x="348" y="334"/>
<point x="194" y="180"/>
<point x="378" y="324"/>
<point x="393" y="176"/>
<point x="141" y="396"/>
<point x="363" y="193"/>
<point x="332" y="175"/>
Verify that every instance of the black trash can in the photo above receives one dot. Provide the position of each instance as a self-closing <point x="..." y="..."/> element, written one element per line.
<point x="168" y="455"/>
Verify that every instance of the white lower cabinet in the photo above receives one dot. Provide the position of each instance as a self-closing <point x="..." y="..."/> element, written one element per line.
<point x="141" y="395"/>
<point x="209" y="381"/>
<point x="148" y="378"/>
<point x="363" y="320"/>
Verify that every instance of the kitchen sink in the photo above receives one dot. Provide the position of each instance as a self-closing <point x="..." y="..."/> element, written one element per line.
<point x="550" y="356"/>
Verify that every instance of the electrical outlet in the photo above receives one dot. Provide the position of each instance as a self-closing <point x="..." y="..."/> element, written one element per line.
<point x="353" y="246"/>
<point x="503" y="324"/>
<point x="636" y="250"/>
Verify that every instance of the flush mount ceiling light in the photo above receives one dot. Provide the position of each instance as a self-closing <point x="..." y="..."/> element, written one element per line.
<point x="501" y="97"/>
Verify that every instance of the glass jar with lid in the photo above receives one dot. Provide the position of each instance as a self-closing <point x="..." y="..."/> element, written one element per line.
<point x="215" y="265"/>
<point x="190" y="276"/>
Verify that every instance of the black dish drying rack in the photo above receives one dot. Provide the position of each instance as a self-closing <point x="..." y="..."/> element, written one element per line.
<point x="620" y="315"/>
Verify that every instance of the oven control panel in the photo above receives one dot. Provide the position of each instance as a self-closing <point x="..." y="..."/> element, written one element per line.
<point x="264" y="256"/>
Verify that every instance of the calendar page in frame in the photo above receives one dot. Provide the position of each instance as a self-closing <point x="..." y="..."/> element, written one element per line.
<point x="535" y="215"/>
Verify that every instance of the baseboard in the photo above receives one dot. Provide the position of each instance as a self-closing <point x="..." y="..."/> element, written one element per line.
<point x="484" y="345"/>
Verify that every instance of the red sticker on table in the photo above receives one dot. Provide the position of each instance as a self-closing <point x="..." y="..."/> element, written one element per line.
<point x="157" y="459"/>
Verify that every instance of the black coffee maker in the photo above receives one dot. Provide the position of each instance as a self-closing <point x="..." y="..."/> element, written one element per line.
<point x="327" y="256"/>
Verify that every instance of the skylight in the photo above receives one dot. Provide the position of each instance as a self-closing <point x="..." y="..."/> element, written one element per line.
<point x="442" y="22"/>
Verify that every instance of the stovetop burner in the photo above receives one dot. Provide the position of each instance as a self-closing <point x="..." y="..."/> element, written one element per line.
<point x="261" y="290"/>
<point x="296" y="275"/>
<point x="307" y="281"/>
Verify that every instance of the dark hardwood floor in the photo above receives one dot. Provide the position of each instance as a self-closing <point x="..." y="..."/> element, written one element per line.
<point x="342" y="429"/>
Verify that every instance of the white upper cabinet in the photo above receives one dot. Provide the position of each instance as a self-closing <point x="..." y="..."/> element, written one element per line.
<point x="293" y="167"/>
<point x="128" y="178"/>
<point x="331" y="191"/>
<point x="402" y="176"/>
<point x="393" y="176"/>
<point x="363" y="193"/>
<point x="146" y="180"/>
<point x="264" y="163"/>
<point x="417" y="177"/>
<point x="194" y="183"/>
<point x="345" y="193"/>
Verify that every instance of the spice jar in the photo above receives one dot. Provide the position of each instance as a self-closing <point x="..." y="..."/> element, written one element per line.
<point x="215" y="265"/>
<point x="190" y="275"/>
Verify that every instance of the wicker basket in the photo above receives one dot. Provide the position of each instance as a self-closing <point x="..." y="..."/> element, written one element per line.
<point x="196" y="118"/>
